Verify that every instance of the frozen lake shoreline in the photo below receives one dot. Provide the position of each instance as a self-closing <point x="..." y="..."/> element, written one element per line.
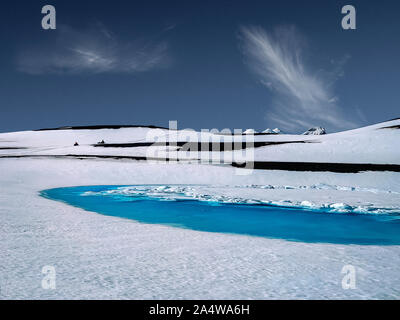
<point x="105" y="257"/>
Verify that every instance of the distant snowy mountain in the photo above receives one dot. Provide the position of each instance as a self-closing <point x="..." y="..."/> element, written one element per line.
<point x="276" y="130"/>
<point x="315" y="131"/>
<point x="250" y="131"/>
<point x="268" y="130"/>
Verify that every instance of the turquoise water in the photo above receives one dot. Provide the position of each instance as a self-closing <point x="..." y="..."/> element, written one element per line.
<point x="292" y="224"/>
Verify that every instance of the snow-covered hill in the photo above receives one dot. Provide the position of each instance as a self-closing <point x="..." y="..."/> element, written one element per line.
<point x="376" y="144"/>
<point x="107" y="257"/>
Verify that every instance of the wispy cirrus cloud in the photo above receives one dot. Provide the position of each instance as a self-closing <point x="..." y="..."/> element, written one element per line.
<point x="302" y="98"/>
<point x="95" y="50"/>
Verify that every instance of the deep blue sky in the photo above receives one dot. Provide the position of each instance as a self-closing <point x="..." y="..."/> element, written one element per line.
<point x="203" y="79"/>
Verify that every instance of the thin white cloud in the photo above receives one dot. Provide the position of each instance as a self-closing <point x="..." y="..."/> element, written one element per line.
<point x="302" y="99"/>
<point x="95" y="50"/>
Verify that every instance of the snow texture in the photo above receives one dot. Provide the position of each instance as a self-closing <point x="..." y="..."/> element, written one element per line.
<point x="103" y="257"/>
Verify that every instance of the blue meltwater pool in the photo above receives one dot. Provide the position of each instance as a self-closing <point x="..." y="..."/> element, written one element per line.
<point x="292" y="224"/>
